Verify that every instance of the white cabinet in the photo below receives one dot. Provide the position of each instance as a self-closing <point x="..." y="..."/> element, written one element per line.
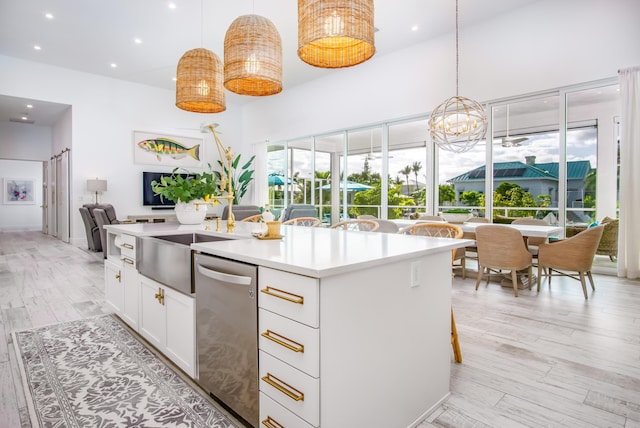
<point x="113" y="289"/>
<point x="289" y="349"/>
<point x="121" y="277"/>
<point x="131" y="286"/>
<point x="359" y="348"/>
<point x="167" y="320"/>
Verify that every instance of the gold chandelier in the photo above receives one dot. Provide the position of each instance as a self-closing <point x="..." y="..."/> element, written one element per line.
<point x="458" y="123"/>
<point x="253" y="57"/>
<point x="335" y="33"/>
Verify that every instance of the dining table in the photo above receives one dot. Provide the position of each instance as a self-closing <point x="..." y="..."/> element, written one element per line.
<point x="527" y="230"/>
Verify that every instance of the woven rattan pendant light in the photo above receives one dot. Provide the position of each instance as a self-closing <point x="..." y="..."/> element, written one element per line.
<point x="199" y="79"/>
<point x="458" y="123"/>
<point x="199" y="82"/>
<point x="253" y="57"/>
<point x="335" y="33"/>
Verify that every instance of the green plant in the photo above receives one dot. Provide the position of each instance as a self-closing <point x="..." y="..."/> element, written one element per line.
<point x="239" y="183"/>
<point x="185" y="188"/>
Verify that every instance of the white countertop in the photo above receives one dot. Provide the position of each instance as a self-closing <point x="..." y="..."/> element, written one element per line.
<point x="312" y="251"/>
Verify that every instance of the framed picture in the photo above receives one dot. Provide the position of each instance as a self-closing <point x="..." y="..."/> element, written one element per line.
<point x="167" y="150"/>
<point x="19" y="191"/>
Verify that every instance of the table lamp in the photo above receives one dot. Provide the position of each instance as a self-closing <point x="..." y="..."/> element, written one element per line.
<point x="97" y="186"/>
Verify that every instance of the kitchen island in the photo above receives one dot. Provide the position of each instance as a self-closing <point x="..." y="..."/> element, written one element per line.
<point x="364" y="318"/>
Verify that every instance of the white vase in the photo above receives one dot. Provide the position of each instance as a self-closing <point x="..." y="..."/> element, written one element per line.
<point x="190" y="213"/>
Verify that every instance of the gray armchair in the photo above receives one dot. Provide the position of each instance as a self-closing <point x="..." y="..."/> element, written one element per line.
<point x="299" y="210"/>
<point x="102" y="219"/>
<point x="240" y="212"/>
<point x="91" y="228"/>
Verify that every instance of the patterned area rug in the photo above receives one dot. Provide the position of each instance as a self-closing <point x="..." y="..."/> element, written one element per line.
<point x="95" y="373"/>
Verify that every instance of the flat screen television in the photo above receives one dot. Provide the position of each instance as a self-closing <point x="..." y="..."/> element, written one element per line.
<point x="148" y="197"/>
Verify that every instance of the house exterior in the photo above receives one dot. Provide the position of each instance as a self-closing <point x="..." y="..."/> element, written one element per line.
<point x="535" y="178"/>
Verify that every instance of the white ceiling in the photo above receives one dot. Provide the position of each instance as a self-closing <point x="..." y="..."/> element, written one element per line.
<point x="89" y="35"/>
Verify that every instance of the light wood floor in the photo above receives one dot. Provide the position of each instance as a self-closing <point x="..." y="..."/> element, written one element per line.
<point x="540" y="360"/>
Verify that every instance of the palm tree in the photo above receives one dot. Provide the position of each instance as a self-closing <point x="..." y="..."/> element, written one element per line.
<point x="416" y="167"/>
<point x="406" y="171"/>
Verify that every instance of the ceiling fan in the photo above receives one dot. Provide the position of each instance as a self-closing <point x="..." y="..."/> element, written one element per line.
<point x="511" y="141"/>
<point x="373" y="155"/>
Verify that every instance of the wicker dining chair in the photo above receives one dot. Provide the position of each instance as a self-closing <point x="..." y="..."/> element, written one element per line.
<point x="440" y="230"/>
<point x="573" y="254"/>
<point x="303" y="221"/>
<point x="533" y="242"/>
<point x="386" y="226"/>
<point x="502" y="248"/>
<point x="355" y="224"/>
<point x="443" y="230"/>
<point x="472" y="235"/>
<point x="252" y="219"/>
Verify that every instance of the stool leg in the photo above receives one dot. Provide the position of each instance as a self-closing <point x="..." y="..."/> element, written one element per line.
<point x="457" y="354"/>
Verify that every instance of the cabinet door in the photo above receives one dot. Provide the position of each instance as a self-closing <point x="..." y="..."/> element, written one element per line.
<point x="180" y="328"/>
<point x="131" y="285"/>
<point x="113" y="291"/>
<point x="152" y="312"/>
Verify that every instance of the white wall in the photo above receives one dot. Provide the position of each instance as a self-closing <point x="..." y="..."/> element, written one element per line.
<point x="18" y="216"/>
<point x="546" y="45"/>
<point x="99" y="129"/>
<point x="26" y="142"/>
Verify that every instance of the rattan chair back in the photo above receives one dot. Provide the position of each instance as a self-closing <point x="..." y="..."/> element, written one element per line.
<point x="303" y="221"/>
<point x="355" y="224"/>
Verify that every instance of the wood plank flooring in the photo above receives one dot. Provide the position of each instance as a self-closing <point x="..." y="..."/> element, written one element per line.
<point x="540" y="360"/>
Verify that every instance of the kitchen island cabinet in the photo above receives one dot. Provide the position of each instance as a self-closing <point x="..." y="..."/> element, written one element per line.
<point x="375" y="324"/>
<point x="167" y="321"/>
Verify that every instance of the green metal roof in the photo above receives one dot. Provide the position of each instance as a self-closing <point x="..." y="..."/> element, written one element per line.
<point x="575" y="169"/>
<point x="521" y="170"/>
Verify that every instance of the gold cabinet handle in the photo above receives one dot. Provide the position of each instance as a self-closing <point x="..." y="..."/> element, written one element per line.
<point x="283" y="387"/>
<point x="127" y="260"/>
<point x="118" y="276"/>
<point x="283" y="341"/>
<point x="160" y="296"/>
<point x="127" y="246"/>
<point x="285" y="295"/>
<point x="271" y="423"/>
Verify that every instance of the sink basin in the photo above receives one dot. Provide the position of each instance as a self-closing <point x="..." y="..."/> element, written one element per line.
<point x="167" y="258"/>
<point x="191" y="238"/>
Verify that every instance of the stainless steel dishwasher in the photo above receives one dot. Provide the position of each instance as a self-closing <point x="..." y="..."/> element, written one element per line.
<point x="227" y="333"/>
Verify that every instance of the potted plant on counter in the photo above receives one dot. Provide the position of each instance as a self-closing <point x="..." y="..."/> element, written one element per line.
<point x="185" y="188"/>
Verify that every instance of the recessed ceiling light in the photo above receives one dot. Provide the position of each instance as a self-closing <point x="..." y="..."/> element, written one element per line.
<point x="48" y="16"/>
<point x="24" y="118"/>
<point x="172" y="5"/>
<point x="36" y="47"/>
<point x="114" y="65"/>
<point x="29" y="106"/>
<point x="414" y="28"/>
<point x="137" y="41"/>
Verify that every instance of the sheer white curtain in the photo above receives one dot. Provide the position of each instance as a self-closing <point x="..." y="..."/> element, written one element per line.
<point x="628" y="242"/>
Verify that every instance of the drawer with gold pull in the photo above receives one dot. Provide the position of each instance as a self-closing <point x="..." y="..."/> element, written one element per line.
<point x="290" y="387"/>
<point x="127" y="244"/>
<point x="290" y="295"/>
<point x="290" y="341"/>
<point x="273" y="415"/>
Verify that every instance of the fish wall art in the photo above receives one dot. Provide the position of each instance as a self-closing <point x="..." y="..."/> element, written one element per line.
<point x="168" y="150"/>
